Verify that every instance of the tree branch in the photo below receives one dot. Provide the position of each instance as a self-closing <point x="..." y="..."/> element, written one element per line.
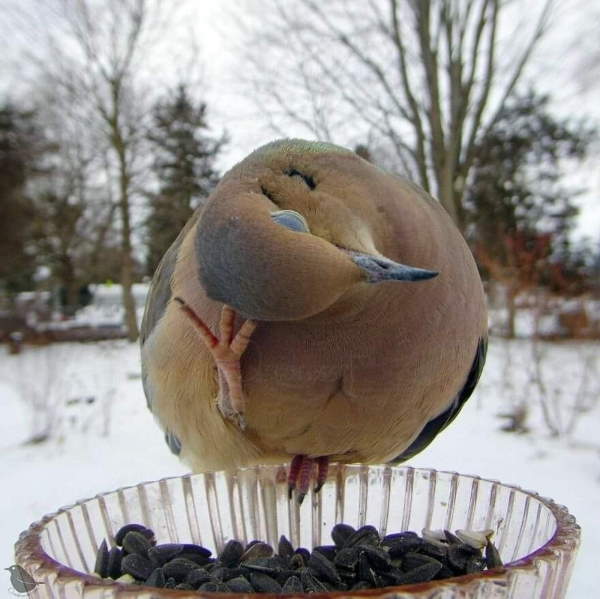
<point x="408" y="93"/>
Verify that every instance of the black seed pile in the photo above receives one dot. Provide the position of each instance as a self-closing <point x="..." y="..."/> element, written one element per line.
<point x="358" y="559"/>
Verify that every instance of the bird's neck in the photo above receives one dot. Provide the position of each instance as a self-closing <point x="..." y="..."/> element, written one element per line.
<point x="349" y="307"/>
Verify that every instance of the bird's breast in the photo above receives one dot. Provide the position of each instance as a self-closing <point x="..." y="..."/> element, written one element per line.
<point x="324" y="392"/>
<point x="358" y="389"/>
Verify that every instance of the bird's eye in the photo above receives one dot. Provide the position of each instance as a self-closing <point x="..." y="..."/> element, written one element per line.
<point x="291" y="219"/>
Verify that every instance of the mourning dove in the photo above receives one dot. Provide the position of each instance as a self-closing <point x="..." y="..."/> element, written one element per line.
<point x="315" y="308"/>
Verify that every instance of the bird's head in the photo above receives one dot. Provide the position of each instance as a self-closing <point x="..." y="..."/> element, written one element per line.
<point x="295" y="227"/>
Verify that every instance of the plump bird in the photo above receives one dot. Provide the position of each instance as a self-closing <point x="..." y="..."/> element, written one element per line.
<point x="315" y="308"/>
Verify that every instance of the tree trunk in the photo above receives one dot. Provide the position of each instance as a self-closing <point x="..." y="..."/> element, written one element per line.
<point x="99" y="243"/>
<point x="69" y="284"/>
<point x="126" y="258"/>
<point x="511" y="306"/>
<point x="447" y="197"/>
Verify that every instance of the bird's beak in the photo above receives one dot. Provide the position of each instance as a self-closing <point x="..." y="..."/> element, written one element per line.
<point x="379" y="269"/>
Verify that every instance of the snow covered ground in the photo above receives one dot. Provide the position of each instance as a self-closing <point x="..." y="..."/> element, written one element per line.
<point x="110" y="441"/>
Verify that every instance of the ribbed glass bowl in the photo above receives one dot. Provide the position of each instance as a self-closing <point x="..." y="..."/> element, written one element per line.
<point x="537" y="538"/>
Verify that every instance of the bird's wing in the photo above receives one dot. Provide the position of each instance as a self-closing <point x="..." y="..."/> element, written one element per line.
<point x="439" y="423"/>
<point x="159" y="296"/>
<point x="160" y="288"/>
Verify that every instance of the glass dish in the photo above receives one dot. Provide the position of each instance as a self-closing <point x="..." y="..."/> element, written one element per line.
<point x="537" y="539"/>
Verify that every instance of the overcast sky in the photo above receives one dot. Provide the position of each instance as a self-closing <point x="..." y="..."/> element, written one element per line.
<point x="566" y="66"/>
<point x="560" y="68"/>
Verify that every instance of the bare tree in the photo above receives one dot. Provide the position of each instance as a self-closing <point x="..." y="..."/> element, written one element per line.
<point x="101" y="58"/>
<point x="427" y="78"/>
<point x="109" y="39"/>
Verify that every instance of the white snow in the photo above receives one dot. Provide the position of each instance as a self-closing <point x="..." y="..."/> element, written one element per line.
<point x="105" y="310"/>
<point x="113" y="441"/>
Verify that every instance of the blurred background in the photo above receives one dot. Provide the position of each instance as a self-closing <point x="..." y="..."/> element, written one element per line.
<point x="117" y="119"/>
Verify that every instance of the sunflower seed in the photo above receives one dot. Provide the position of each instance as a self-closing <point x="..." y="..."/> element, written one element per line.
<point x="297" y="561"/>
<point x="218" y="571"/>
<point x="323" y="568"/>
<point x="149" y="534"/>
<point x="292" y="585"/>
<point x="159" y="555"/>
<point x="445" y="572"/>
<point x="285" y="548"/>
<point x="402" y="545"/>
<point x="348" y="576"/>
<point x="268" y="565"/>
<point x="101" y="565"/>
<point x="196" y="553"/>
<point x="476" y="538"/>
<point x="415" y="560"/>
<point x="250" y="543"/>
<point x="138" y="566"/>
<point x="423" y="573"/>
<point x="239" y="585"/>
<point x="341" y="532"/>
<point x="379" y="559"/>
<point x="170" y="583"/>
<point x="136" y="542"/>
<point x="393" y="576"/>
<point x="451" y="538"/>
<point x="365" y="572"/>
<point x="310" y="583"/>
<point x="230" y="556"/>
<point x="328" y="551"/>
<point x="394" y="536"/>
<point x="115" y="555"/>
<point x="458" y="555"/>
<point x="179" y="568"/>
<point x="282" y="576"/>
<point x="304" y="553"/>
<point x="156" y="579"/>
<point x="223" y="573"/>
<point x="492" y="557"/>
<point x="347" y="558"/>
<point x="475" y="564"/>
<point x="365" y="535"/>
<point x="263" y="583"/>
<point x="439" y="552"/>
<point x="197" y="577"/>
<point x="436" y="537"/>
<point x="257" y="550"/>
<point x="361" y="585"/>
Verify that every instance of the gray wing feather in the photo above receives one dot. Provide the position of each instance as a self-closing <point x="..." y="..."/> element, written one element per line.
<point x="160" y="288"/>
<point x="159" y="296"/>
<point x="439" y="423"/>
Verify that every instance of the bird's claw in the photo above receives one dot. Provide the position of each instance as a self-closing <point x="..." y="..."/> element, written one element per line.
<point x="227" y="349"/>
<point x="300" y="475"/>
<point x="240" y="421"/>
<point x="238" y="418"/>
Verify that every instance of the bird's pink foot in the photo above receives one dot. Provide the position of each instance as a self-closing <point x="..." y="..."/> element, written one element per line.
<point x="301" y="470"/>
<point x="227" y="349"/>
